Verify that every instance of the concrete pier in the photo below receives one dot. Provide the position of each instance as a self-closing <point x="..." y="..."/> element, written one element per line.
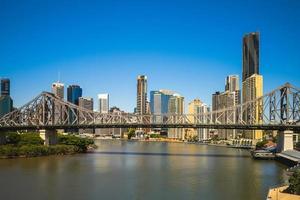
<point x="49" y="136"/>
<point x="285" y="141"/>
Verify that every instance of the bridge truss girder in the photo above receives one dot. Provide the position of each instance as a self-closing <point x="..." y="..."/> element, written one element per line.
<point x="277" y="110"/>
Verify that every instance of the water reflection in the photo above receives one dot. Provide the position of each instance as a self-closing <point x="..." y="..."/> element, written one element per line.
<point x="141" y="170"/>
<point x="170" y="154"/>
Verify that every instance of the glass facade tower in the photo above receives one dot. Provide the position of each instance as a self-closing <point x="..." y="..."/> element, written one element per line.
<point x="74" y="92"/>
<point x="250" y="55"/>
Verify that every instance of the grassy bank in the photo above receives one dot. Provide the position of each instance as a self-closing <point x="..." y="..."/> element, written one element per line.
<point x="31" y="145"/>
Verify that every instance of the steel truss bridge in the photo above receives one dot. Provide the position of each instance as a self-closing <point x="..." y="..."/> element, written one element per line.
<point x="276" y="110"/>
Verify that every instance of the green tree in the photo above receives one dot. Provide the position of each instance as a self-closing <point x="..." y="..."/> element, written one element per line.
<point x="131" y="133"/>
<point x="261" y="144"/>
<point x="81" y="143"/>
<point x="13" y="138"/>
<point x="294" y="187"/>
<point x="30" y="139"/>
<point x="155" y="136"/>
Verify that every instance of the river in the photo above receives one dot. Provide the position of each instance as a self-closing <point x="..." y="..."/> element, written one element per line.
<point x="141" y="170"/>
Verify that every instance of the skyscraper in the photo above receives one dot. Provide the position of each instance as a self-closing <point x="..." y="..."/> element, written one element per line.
<point x="253" y="89"/>
<point x="176" y="106"/>
<point x="232" y="83"/>
<point x="58" y="89"/>
<point x="141" y="105"/>
<point x="223" y="100"/>
<point x="5" y="86"/>
<point x="74" y="92"/>
<point x="6" y="105"/>
<point x="6" y="102"/>
<point x="103" y="100"/>
<point x="252" y="82"/>
<point x="196" y="110"/>
<point x="250" y="54"/>
<point x="159" y="104"/>
<point x="159" y="101"/>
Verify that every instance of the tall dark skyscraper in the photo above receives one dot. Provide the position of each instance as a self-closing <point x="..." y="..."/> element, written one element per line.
<point x="250" y="54"/>
<point x="74" y="92"/>
<point x="5" y="87"/>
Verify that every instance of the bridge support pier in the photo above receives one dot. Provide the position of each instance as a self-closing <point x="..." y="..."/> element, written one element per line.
<point x="49" y="137"/>
<point x="285" y="141"/>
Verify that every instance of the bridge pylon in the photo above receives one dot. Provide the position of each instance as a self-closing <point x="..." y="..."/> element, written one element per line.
<point x="49" y="136"/>
<point x="285" y="141"/>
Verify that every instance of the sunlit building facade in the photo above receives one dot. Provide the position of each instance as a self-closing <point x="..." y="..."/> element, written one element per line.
<point x="197" y="113"/>
<point x="176" y="106"/>
<point x="141" y="105"/>
<point x="58" y="89"/>
<point x="253" y="89"/>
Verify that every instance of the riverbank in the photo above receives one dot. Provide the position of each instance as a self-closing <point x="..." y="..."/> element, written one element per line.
<point x="31" y="145"/>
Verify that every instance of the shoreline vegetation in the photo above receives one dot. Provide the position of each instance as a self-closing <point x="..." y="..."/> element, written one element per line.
<point x="26" y="145"/>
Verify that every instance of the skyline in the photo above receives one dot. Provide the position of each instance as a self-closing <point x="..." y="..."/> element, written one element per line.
<point x="184" y="56"/>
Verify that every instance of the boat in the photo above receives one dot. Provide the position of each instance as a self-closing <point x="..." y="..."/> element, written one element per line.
<point x="262" y="154"/>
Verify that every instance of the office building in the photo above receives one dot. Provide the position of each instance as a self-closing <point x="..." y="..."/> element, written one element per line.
<point x="58" y="89"/>
<point x="87" y="103"/>
<point x="197" y="113"/>
<point x="6" y="102"/>
<point x="232" y="83"/>
<point x="159" y="101"/>
<point x="250" y="55"/>
<point x="253" y="89"/>
<point x="5" y="87"/>
<point x="117" y="132"/>
<point x="159" y="105"/>
<point x="176" y="106"/>
<point x="6" y="105"/>
<point x="252" y="85"/>
<point x="224" y="100"/>
<point x="103" y="100"/>
<point x="141" y="106"/>
<point x="73" y="94"/>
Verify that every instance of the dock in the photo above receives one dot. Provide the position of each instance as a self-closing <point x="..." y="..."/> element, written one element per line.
<point x="290" y="156"/>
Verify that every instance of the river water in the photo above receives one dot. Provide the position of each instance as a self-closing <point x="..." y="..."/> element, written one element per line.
<point x="141" y="170"/>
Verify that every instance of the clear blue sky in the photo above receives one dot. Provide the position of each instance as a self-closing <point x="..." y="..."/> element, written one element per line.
<point x="186" y="46"/>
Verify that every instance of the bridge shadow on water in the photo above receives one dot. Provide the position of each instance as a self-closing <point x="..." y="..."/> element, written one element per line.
<point x="168" y="154"/>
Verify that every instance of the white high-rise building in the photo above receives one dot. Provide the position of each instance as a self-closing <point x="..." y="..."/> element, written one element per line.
<point x="197" y="111"/>
<point x="103" y="103"/>
<point x="58" y="89"/>
<point x="103" y="100"/>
